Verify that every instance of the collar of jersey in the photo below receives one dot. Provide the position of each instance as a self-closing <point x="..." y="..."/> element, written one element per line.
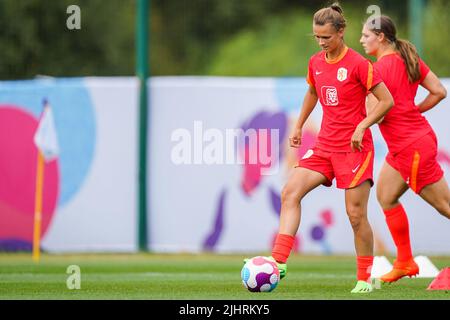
<point x="338" y="58"/>
<point x="387" y="55"/>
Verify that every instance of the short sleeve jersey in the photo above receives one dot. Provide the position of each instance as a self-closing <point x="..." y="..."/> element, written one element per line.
<point x="342" y="85"/>
<point x="404" y="123"/>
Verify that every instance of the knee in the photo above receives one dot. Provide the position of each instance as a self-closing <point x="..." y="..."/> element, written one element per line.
<point x="290" y="196"/>
<point x="355" y="215"/>
<point x="385" y="199"/>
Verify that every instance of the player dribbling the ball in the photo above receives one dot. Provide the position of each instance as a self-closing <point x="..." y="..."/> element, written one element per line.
<point x="340" y="78"/>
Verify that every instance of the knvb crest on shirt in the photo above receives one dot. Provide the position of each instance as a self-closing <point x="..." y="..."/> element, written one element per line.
<point x="342" y="74"/>
<point x="330" y="96"/>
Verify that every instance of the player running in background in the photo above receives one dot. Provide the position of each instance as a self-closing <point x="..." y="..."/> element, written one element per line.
<point x="411" y="161"/>
<point x="340" y="78"/>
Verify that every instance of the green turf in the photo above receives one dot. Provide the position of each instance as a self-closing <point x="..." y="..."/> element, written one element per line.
<point x="184" y="276"/>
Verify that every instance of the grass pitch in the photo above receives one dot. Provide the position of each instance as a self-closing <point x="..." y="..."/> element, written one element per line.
<point x="192" y="277"/>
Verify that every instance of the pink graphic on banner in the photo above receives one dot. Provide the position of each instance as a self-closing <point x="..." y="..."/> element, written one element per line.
<point x="327" y="218"/>
<point x="443" y="157"/>
<point x="18" y="180"/>
<point x="252" y="152"/>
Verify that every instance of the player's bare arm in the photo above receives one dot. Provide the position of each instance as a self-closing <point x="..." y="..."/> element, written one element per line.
<point x="437" y="92"/>
<point x="309" y="104"/>
<point x="371" y="102"/>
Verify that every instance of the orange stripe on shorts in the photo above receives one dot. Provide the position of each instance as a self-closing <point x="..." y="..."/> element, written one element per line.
<point x="414" y="170"/>
<point x="361" y="170"/>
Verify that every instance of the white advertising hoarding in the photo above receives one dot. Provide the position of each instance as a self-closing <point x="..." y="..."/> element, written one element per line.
<point x="198" y="200"/>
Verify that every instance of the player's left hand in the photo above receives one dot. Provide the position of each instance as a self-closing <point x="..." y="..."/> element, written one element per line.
<point x="356" y="142"/>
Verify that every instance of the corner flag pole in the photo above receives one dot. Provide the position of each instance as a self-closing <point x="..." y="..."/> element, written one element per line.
<point x="38" y="199"/>
<point x="45" y="139"/>
<point x="38" y="206"/>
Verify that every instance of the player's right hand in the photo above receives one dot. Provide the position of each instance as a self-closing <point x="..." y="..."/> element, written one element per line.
<point x="296" y="139"/>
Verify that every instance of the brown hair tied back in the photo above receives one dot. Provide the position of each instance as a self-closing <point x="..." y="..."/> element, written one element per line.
<point x="337" y="7"/>
<point x="406" y="49"/>
<point x="332" y="14"/>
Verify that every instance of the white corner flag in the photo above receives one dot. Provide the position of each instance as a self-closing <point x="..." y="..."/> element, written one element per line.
<point x="45" y="136"/>
<point x="47" y="145"/>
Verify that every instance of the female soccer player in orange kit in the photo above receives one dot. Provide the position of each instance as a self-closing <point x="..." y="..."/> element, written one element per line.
<point x="340" y="78"/>
<point x="411" y="161"/>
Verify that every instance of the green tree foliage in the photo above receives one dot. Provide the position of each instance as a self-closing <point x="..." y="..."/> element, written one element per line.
<point x="36" y="41"/>
<point x="283" y="44"/>
<point x="436" y="35"/>
<point x="188" y="37"/>
<point x="185" y="33"/>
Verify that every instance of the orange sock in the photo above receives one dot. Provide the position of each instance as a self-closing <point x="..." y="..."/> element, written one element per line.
<point x="364" y="265"/>
<point x="282" y="247"/>
<point x="397" y="222"/>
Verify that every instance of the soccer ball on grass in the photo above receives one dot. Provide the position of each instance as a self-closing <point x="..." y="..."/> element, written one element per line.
<point x="260" y="274"/>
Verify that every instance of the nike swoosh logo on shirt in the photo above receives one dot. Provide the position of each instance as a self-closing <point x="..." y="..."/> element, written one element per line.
<point x="318" y="72"/>
<point x="354" y="170"/>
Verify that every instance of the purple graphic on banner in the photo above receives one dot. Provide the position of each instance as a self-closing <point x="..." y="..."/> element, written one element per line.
<point x="252" y="176"/>
<point x="12" y="245"/>
<point x="318" y="231"/>
<point x="275" y="200"/>
<point x="212" y="239"/>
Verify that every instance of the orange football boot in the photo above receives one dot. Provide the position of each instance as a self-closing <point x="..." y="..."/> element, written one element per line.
<point x="401" y="269"/>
